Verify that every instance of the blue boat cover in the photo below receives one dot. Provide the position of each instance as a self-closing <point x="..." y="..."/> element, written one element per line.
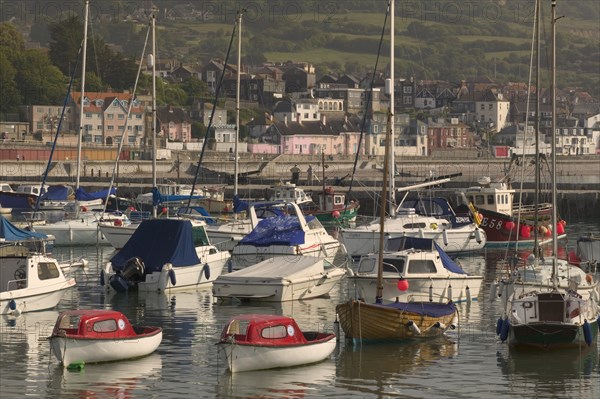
<point x="448" y="263"/>
<point x="56" y="193"/>
<point x="10" y="232"/>
<point x="430" y="309"/>
<point x="82" y="195"/>
<point x="198" y="210"/>
<point x="158" y="198"/>
<point x="277" y="230"/>
<point x="157" y="242"/>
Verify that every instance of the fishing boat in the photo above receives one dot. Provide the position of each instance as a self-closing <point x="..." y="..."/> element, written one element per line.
<point x="289" y="234"/>
<point x="329" y="206"/>
<point x="280" y="279"/>
<point x="5" y="188"/>
<point x="165" y="254"/>
<point x="503" y="221"/>
<point x="31" y="281"/>
<point x="397" y="321"/>
<point x="550" y="315"/>
<point x="438" y="221"/>
<point x="415" y="269"/>
<point x="262" y="341"/>
<point x="96" y="336"/>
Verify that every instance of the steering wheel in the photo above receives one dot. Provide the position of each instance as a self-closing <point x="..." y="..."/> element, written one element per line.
<point x="20" y="274"/>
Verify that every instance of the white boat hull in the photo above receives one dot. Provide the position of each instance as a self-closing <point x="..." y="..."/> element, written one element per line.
<point x="34" y="299"/>
<point x="117" y="236"/>
<point x="430" y="289"/>
<point x="248" y="255"/>
<point x="74" y="232"/>
<point x="250" y="357"/>
<point x="278" y="289"/>
<point x="70" y="350"/>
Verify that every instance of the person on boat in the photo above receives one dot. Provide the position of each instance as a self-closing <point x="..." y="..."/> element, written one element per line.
<point x="295" y="174"/>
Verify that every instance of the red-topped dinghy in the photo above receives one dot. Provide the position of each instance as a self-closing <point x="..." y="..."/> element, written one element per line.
<point x="95" y="336"/>
<point x="262" y="341"/>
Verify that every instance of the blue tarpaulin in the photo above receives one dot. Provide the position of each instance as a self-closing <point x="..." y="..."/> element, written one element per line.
<point x="158" y="198"/>
<point x="56" y="193"/>
<point x="82" y="195"/>
<point x="280" y="230"/>
<point x="425" y="308"/>
<point x="10" y="232"/>
<point x="157" y="242"/>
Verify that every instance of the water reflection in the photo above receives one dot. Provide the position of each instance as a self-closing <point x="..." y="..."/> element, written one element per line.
<point x="125" y="379"/>
<point x="297" y="382"/>
<point x="556" y="373"/>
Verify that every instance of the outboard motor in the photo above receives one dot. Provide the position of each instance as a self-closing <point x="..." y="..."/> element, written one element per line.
<point x="132" y="273"/>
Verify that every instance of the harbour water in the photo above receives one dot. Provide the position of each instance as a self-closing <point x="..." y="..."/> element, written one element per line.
<point x="470" y="362"/>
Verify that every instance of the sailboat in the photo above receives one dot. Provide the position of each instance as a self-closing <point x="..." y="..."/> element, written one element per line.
<point x="550" y="315"/>
<point x="362" y="321"/>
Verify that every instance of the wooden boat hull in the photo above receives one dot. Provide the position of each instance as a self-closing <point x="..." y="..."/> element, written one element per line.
<point x="70" y="349"/>
<point x="247" y="357"/>
<point x="362" y="321"/>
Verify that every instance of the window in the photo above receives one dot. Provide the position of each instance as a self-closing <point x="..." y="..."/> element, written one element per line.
<point x="99" y="127"/>
<point x="274" y="332"/>
<point x="47" y="271"/>
<point x="121" y="116"/>
<point x="408" y="89"/>
<point x="110" y="116"/>
<point x="88" y="114"/>
<point x="490" y="199"/>
<point x="105" y="326"/>
<point x="110" y="127"/>
<point x="421" y="266"/>
<point x="491" y="107"/>
<point x="482" y="107"/>
<point x="394" y="266"/>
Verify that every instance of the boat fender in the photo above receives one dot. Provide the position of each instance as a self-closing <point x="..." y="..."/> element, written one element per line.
<point x="493" y="290"/>
<point x="336" y="328"/>
<point x="505" y="329"/>
<point x="499" y="326"/>
<point x="478" y="236"/>
<point x="449" y="292"/>
<point x="207" y="271"/>
<point x="430" y="292"/>
<point x="12" y="304"/>
<point x="587" y="333"/>
<point x="76" y="366"/>
<point x="172" y="277"/>
<point x="439" y="325"/>
<point x="445" y="236"/>
<point x="335" y="214"/>
<point x="229" y="266"/>
<point x="598" y="322"/>
<point x="102" y="282"/>
<point x="413" y="327"/>
<point x="468" y="294"/>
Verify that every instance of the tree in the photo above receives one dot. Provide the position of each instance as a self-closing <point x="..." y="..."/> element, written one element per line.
<point x="194" y="88"/>
<point x="38" y="80"/>
<point x="10" y="94"/>
<point x="66" y="36"/>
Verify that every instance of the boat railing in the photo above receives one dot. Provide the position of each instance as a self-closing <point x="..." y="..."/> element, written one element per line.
<point x="12" y="285"/>
<point x="530" y="208"/>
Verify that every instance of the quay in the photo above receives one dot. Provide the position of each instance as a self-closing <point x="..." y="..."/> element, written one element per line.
<point x="578" y="178"/>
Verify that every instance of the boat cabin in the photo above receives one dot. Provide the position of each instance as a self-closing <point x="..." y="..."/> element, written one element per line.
<point x="20" y="270"/>
<point x="6" y="188"/>
<point x="262" y="329"/>
<point x="288" y="192"/>
<point x="31" y="189"/>
<point x="93" y="324"/>
<point x="496" y="197"/>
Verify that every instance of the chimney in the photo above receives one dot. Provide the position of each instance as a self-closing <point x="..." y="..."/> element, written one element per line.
<point x="285" y="119"/>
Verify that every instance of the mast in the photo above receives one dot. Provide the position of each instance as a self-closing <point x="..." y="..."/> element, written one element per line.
<point x="379" y="294"/>
<point x="237" y="104"/>
<point x="553" y="91"/>
<point x="392" y="161"/>
<point x="536" y="249"/>
<point x="154" y="135"/>
<point x="81" y="111"/>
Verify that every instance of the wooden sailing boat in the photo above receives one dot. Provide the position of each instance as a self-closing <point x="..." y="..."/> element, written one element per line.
<point x="362" y="321"/>
<point x="552" y="315"/>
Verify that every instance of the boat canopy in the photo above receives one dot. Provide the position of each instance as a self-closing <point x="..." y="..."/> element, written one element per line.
<point x="10" y="232"/>
<point x="57" y="193"/>
<point x="82" y="195"/>
<point x="430" y="309"/>
<point x="157" y="242"/>
<point x="278" y="230"/>
<point x="158" y="198"/>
